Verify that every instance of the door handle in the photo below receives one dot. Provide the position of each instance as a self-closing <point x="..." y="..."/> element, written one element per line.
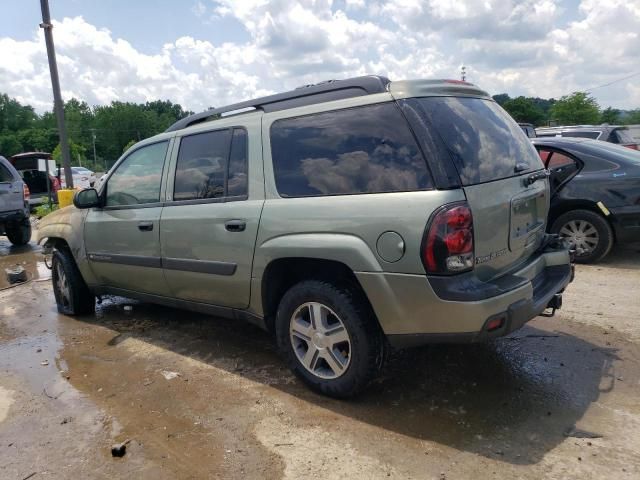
<point x="235" y="225"/>
<point x="145" y="226"/>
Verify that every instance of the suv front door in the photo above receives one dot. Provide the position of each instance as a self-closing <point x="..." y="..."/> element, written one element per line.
<point x="210" y="221"/>
<point x="122" y="238"/>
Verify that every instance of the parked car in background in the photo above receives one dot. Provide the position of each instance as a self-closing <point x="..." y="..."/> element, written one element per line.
<point x="344" y="217"/>
<point x="617" y="134"/>
<point x="528" y="129"/>
<point x="14" y="205"/>
<point x="27" y="165"/>
<point x="82" y="178"/>
<point x="595" y="193"/>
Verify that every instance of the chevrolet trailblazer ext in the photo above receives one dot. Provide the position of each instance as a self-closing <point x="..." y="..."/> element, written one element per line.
<point x="344" y="217"/>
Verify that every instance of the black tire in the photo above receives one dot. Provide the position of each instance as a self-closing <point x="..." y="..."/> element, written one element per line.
<point x="19" y="233"/>
<point x="73" y="297"/>
<point x="366" y="346"/>
<point x="604" y="240"/>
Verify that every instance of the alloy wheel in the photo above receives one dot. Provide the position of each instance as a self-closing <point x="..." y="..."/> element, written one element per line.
<point x="581" y="235"/>
<point x="62" y="285"/>
<point x="320" y="340"/>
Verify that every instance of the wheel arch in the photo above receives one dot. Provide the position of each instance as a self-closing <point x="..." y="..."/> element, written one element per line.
<point x="577" y="204"/>
<point x="282" y="273"/>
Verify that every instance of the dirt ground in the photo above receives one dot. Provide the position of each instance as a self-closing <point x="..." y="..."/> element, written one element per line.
<point x="200" y="397"/>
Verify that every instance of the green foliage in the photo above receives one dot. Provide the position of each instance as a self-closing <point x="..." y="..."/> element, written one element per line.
<point x="610" y="115"/>
<point x="130" y="144"/>
<point x="632" y="117"/>
<point x="524" y="110"/>
<point x="44" y="210"/>
<point x="579" y="108"/>
<point x="76" y="150"/>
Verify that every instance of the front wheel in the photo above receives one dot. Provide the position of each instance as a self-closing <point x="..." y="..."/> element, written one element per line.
<point x="329" y="338"/>
<point x="586" y="232"/>
<point x="73" y="297"/>
<point x="19" y="233"/>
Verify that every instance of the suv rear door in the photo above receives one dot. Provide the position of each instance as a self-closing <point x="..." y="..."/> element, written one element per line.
<point x="210" y="220"/>
<point x="494" y="159"/>
<point x="11" y="189"/>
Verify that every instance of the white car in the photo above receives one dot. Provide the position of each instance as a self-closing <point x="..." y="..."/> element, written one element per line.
<point x="82" y="177"/>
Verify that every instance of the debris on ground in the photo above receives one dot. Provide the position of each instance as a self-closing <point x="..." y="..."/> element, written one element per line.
<point x="16" y="274"/>
<point x="119" y="449"/>
<point x="577" y="433"/>
<point x="44" y="363"/>
<point x="168" y="375"/>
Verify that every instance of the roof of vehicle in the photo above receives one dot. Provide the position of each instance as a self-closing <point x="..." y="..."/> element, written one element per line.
<point x="335" y="90"/>
<point x="561" y="140"/>
<point x="580" y="127"/>
<point x="31" y="155"/>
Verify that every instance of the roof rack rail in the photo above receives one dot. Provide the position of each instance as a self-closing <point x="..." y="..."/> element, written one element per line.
<point x="305" y="95"/>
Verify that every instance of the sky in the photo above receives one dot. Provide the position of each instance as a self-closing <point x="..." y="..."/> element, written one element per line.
<point x="203" y="53"/>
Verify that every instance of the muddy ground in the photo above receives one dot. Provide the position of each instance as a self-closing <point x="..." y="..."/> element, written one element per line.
<point x="199" y="397"/>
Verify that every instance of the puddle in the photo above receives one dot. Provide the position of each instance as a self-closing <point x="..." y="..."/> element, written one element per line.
<point x="29" y="257"/>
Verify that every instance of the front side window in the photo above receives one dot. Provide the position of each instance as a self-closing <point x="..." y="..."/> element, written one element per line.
<point x="137" y="179"/>
<point x="358" y="150"/>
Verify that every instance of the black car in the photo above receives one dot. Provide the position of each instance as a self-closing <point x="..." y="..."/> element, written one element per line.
<point x="618" y="134"/>
<point x="595" y="193"/>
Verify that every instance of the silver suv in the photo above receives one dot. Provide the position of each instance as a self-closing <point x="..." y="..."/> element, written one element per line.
<point x="14" y="205"/>
<point x="344" y="217"/>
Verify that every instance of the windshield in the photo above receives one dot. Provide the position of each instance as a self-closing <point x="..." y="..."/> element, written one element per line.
<point x="485" y="143"/>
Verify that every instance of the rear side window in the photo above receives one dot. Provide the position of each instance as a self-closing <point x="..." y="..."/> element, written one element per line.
<point x="484" y="142"/>
<point x="358" y="150"/>
<point x="5" y="174"/>
<point x="212" y="165"/>
<point x="593" y="135"/>
<point x="622" y="136"/>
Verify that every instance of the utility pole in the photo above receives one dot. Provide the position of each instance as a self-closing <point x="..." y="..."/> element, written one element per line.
<point x="93" y="136"/>
<point x="58" y="106"/>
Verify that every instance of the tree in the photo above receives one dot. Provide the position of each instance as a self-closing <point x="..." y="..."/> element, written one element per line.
<point x="77" y="151"/>
<point x="579" y="108"/>
<point x="501" y="98"/>
<point x="130" y="144"/>
<point x="610" y="116"/>
<point x="632" y="117"/>
<point x="524" y="110"/>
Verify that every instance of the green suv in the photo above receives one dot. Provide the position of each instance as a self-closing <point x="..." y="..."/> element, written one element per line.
<point x="344" y="217"/>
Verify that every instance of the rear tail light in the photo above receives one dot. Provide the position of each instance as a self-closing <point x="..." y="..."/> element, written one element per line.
<point x="447" y="247"/>
<point x="632" y="146"/>
<point x="26" y="194"/>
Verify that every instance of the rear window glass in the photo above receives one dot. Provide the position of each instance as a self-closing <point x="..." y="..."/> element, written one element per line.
<point x="593" y="135"/>
<point x="623" y="136"/>
<point x="5" y="174"/>
<point x="358" y="150"/>
<point x="485" y="143"/>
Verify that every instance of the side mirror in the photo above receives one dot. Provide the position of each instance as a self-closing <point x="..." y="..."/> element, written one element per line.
<point x="87" y="198"/>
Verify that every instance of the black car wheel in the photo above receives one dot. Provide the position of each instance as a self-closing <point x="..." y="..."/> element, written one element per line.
<point x="19" y="233"/>
<point x="329" y="338"/>
<point x="586" y="232"/>
<point x="73" y="297"/>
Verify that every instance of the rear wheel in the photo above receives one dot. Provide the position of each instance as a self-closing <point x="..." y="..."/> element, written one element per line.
<point x="73" y="297"/>
<point x="586" y="232"/>
<point x="329" y="338"/>
<point x="19" y="233"/>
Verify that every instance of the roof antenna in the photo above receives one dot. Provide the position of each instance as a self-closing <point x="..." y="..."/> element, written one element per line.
<point x="463" y="73"/>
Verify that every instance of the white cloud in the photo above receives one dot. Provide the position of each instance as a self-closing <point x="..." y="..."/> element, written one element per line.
<point x="530" y="47"/>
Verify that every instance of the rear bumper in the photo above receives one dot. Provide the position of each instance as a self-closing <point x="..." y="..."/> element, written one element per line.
<point x="412" y="313"/>
<point x="13" y="216"/>
<point x="626" y="223"/>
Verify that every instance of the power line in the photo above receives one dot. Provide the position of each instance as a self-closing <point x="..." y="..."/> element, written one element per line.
<point x="615" y="81"/>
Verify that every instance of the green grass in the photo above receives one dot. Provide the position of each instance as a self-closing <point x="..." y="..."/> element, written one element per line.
<point x="44" y="210"/>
